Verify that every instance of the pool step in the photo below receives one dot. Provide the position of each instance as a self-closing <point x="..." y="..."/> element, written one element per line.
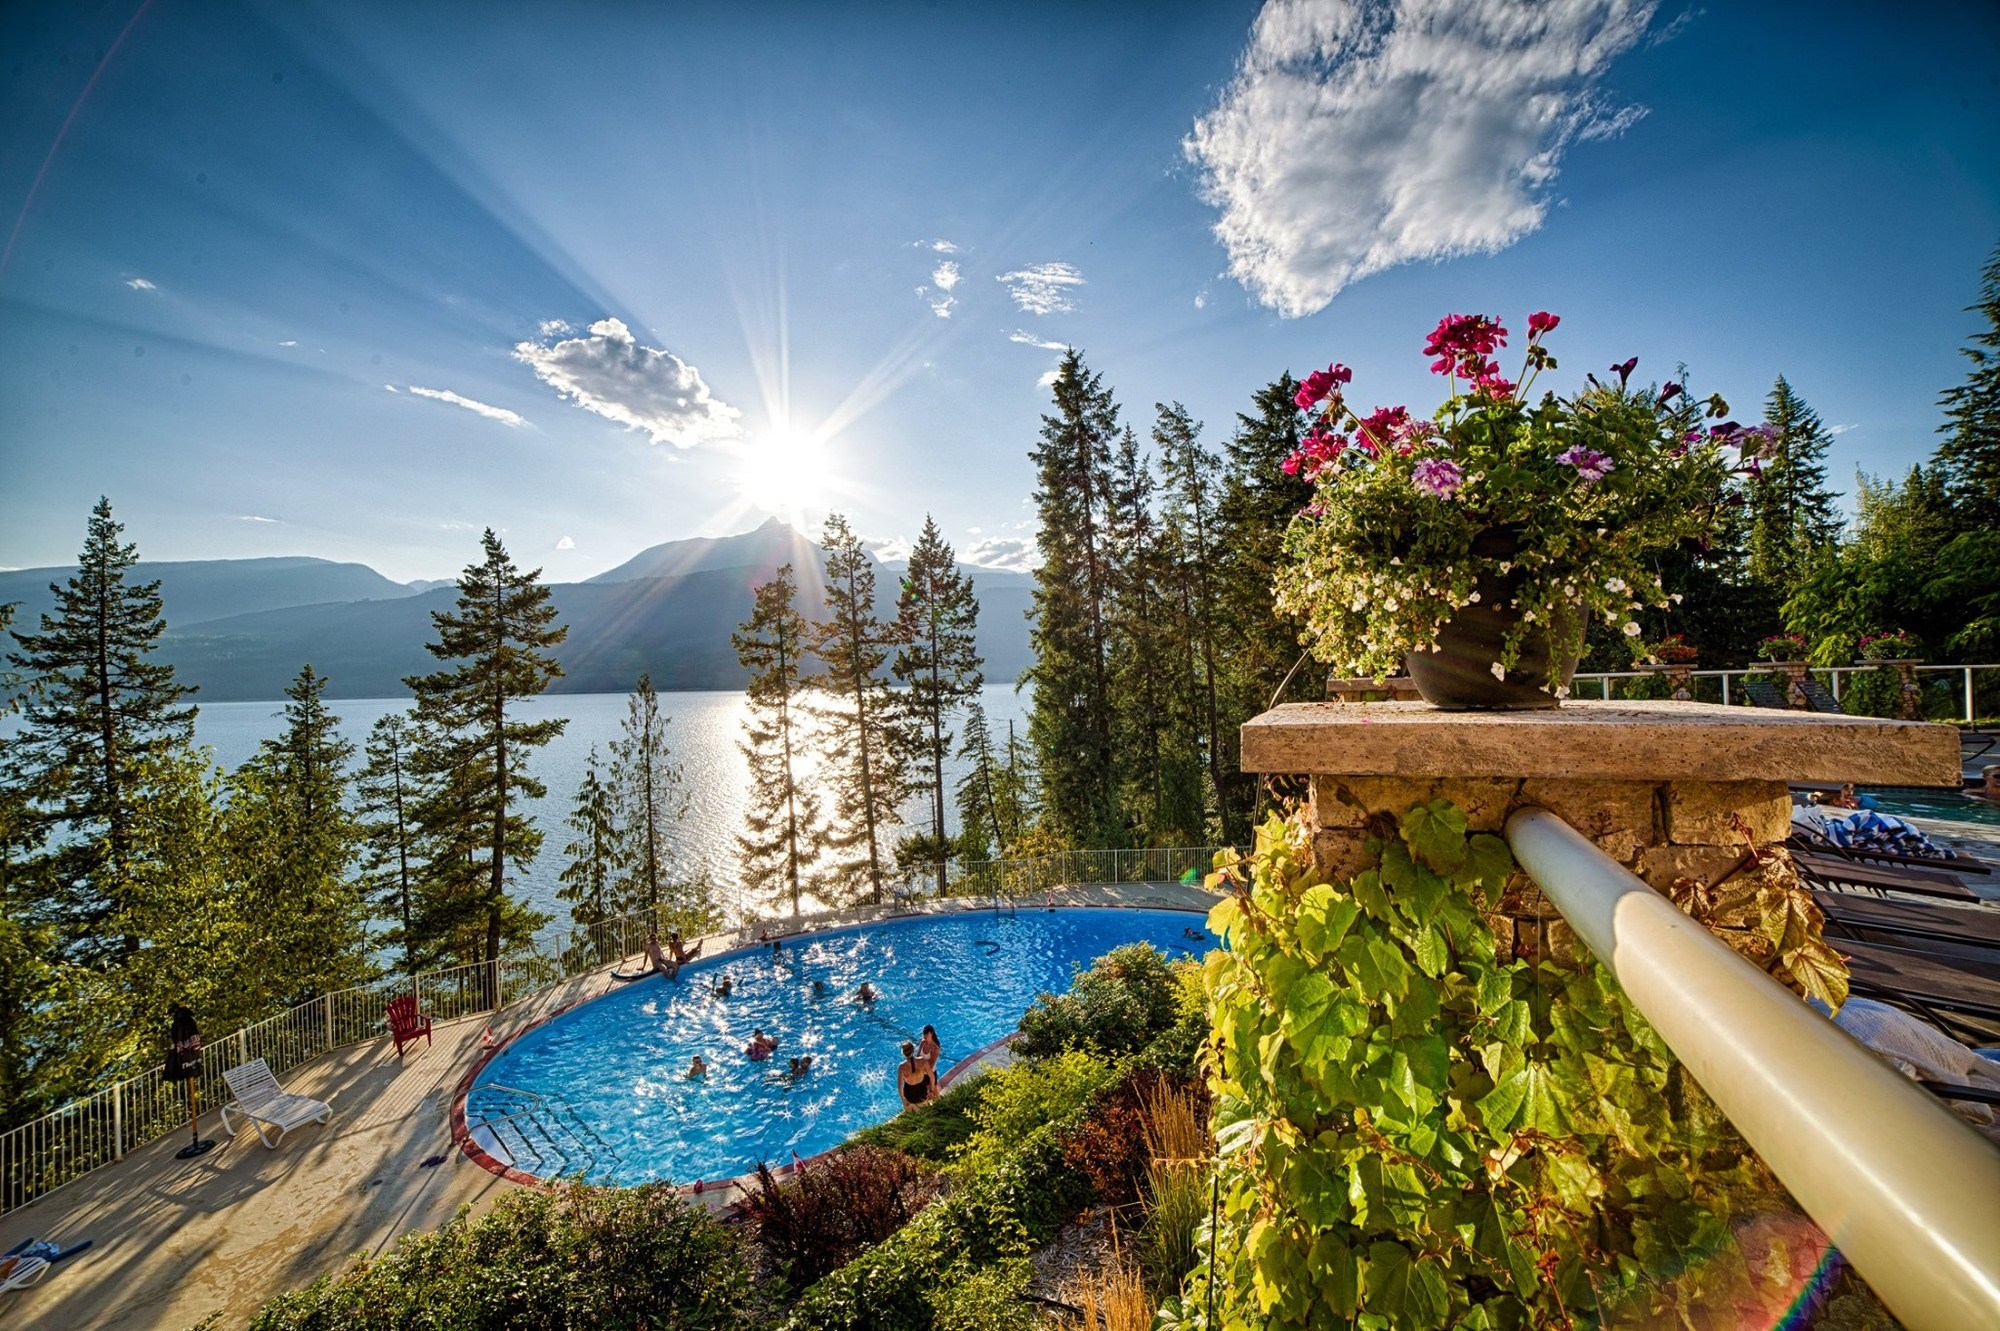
<point x="541" y="1134"/>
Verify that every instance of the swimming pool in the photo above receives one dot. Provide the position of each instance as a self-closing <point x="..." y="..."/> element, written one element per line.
<point x="617" y="1064"/>
<point x="1914" y="802"/>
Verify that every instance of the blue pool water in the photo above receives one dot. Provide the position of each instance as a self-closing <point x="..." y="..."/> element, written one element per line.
<point x="618" y="1061"/>
<point x="1918" y="803"/>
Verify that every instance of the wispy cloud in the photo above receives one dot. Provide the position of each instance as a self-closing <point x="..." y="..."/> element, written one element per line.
<point x="610" y="373"/>
<point x="943" y="278"/>
<point x="1007" y="552"/>
<point x="1361" y="134"/>
<point x="141" y="284"/>
<point x="565" y="544"/>
<point x="252" y="517"/>
<point x="939" y="245"/>
<point x="945" y="275"/>
<point x="1044" y="288"/>
<point x="501" y="414"/>
<point x="1028" y="339"/>
<point x="289" y="342"/>
<point x="553" y="327"/>
<point x="888" y="549"/>
<point x="1843" y="429"/>
<point x="1047" y="379"/>
<point x="1201" y="300"/>
<point x="392" y="388"/>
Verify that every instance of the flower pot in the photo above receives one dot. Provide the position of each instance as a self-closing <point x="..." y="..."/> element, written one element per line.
<point x="1680" y="679"/>
<point x="1459" y="675"/>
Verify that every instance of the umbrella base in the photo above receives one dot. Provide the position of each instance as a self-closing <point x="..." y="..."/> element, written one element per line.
<point x="193" y="1149"/>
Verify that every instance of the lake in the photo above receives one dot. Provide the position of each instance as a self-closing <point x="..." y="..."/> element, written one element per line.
<point x="703" y="735"/>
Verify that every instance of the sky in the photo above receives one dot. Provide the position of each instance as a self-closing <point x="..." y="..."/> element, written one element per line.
<point x="357" y="279"/>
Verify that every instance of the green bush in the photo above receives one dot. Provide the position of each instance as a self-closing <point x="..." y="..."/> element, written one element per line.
<point x="835" y="1208"/>
<point x="931" y="1131"/>
<point x="569" y="1257"/>
<point x="1118" y="1006"/>
<point x="1020" y="1098"/>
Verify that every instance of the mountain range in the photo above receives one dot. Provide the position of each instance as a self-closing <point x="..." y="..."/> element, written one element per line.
<point x="241" y="628"/>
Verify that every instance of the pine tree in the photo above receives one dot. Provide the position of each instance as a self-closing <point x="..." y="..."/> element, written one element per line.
<point x="937" y="617"/>
<point x="387" y="794"/>
<point x="102" y="711"/>
<point x="293" y="843"/>
<point x="500" y="633"/>
<point x="1793" y="515"/>
<point x="650" y="801"/>
<point x="863" y="752"/>
<point x="783" y="820"/>
<point x="593" y="855"/>
<point x="1189" y="521"/>
<point x="1970" y="453"/>
<point x="1071" y="725"/>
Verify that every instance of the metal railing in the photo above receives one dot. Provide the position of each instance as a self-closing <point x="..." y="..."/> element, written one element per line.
<point x="106" y="1125"/>
<point x="1970" y="684"/>
<point x="1035" y="875"/>
<point x="1904" y="1188"/>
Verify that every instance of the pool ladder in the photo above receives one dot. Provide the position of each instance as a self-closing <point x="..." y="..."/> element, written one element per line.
<point x="541" y="1134"/>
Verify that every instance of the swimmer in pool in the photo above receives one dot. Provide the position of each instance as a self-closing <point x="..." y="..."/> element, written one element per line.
<point x="819" y="989"/>
<point x="865" y="994"/>
<point x="1196" y="934"/>
<point x="761" y="1046"/>
<point x="800" y="1066"/>
<point x="916" y="1080"/>
<point x="722" y="989"/>
<point x="697" y="1069"/>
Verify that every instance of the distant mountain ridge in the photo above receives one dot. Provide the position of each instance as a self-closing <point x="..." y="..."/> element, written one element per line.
<point x="241" y="628"/>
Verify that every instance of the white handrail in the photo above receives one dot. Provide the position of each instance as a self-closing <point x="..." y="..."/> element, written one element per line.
<point x="1905" y="1189"/>
<point x="1603" y="678"/>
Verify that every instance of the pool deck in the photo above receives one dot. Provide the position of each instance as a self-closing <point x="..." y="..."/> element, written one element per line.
<point x="174" y="1241"/>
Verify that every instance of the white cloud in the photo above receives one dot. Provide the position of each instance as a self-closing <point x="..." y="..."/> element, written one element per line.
<point x="1047" y="379"/>
<point x="1843" y="429"/>
<point x="566" y="544"/>
<point x="1028" y="339"/>
<point x="1361" y="134"/>
<point x="289" y="342"/>
<point x="141" y="284"/>
<point x="501" y="414"/>
<point x="888" y="549"/>
<point x="973" y="530"/>
<point x="945" y="275"/>
<point x="1201" y="300"/>
<point x="252" y="517"/>
<point x="1008" y="552"/>
<point x="552" y="327"/>
<point x="644" y="388"/>
<point x="392" y="388"/>
<point x="941" y="307"/>
<point x="941" y="246"/>
<point x="1043" y="288"/>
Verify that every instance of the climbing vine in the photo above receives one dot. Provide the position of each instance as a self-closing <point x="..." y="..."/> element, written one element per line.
<point x="1417" y="1131"/>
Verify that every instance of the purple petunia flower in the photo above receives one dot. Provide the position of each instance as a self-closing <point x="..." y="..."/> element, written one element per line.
<point x="1590" y="464"/>
<point x="1439" y="477"/>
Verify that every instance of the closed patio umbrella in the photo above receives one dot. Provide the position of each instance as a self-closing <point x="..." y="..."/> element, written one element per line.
<point x="184" y="1065"/>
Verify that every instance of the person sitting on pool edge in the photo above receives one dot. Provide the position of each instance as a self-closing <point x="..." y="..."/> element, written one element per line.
<point x="698" y="1069"/>
<point x="916" y="1080"/>
<point x="865" y="994"/>
<point x="761" y="1046"/>
<point x="658" y="959"/>
<point x="928" y="1048"/>
<point x="723" y="987"/>
<point x="683" y="954"/>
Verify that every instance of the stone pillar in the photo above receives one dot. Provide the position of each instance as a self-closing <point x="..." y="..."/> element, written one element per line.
<point x="1795" y="683"/>
<point x="1909" y="700"/>
<point x="1672" y="790"/>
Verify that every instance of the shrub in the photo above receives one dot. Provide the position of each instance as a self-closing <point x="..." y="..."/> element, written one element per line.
<point x="1116" y="1007"/>
<point x="1023" y="1097"/>
<point x="933" y="1130"/>
<point x="989" y="1300"/>
<point x="571" y="1256"/>
<point x="1177" y="1049"/>
<point x="836" y="1207"/>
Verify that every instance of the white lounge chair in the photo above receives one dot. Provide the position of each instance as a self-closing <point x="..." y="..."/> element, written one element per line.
<point x="260" y="1099"/>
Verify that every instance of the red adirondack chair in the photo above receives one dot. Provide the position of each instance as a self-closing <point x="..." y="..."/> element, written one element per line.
<point x="406" y="1023"/>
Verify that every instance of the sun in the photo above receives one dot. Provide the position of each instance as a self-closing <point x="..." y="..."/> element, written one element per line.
<point x="789" y="471"/>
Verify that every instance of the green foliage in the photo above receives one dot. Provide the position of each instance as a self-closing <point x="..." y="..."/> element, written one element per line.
<point x="1793" y="516"/>
<point x="931" y="1131"/>
<point x="988" y="1300"/>
<point x="1416" y="1132"/>
<point x="1117" y="1006"/>
<point x="836" y="1207"/>
<point x="937" y="662"/>
<point x="1021" y="1098"/>
<point x="781" y="827"/>
<point x="388" y="791"/>
<point x="1970" y="454"/>
<point x="560" y="1259"/>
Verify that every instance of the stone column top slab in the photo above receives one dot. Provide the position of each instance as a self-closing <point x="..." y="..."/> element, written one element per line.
<point x="1600" y="741"/>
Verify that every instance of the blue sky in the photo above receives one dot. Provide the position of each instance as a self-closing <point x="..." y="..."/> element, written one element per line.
<point x="356" y="280"/>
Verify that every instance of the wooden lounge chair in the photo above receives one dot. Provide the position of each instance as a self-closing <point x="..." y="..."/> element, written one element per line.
<point x="1824" y="869"/>
<point x="266" y="1104"/>
<point x="406" y="1023"/>
<point x="1931" y="985"/>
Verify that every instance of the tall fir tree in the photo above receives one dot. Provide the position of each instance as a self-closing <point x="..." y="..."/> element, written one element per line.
<point x="650" y="800"/>
<point x="937" y="620"/>
<point x="587" y="879"/>
<point x="1190" y="482"/>
<point x="104" y="713"/>
<point x="1970" y="453"/>
<point x="1071" y="725"/>
<point x="294" y="841"/>
<point x="782" y="823"/>
<point x="387" y="795"/>
<point x="500" y="634"/>
<point x="1794" y="519"/>
<point x="858" y="726"/>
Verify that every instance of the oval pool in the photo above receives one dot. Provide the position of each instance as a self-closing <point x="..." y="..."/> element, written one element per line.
<point x="613" y="1069"/>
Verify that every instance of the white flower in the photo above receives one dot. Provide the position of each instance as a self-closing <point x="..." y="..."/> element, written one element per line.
<point x="1677" y="598"/>
<point x="1615" y="585"/>
<point x="1562" y="693"/>
<point x="1631" y="629"/>
<point x="1472" y="598"/>
<point x="1499" y="671"/>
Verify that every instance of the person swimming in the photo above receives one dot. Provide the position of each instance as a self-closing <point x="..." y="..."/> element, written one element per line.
<point x="916" y="1080"/>
<point x="865" y="994"/>
<point x="800" y="1066"/>
<point x="723" y="987"/>
<point x="697" y="1069"/>
<point x="819" y="989"/>
<point x="928" y="1047"/>
<point x="761" y="1046"/>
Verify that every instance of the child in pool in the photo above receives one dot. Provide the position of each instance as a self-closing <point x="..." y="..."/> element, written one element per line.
<point x="697" y="1069"/>
<point x="722" y="989"/>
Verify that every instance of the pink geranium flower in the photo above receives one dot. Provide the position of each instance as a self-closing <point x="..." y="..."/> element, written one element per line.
<point x="1541" y="322"/>
<point x="1319" y="384"/>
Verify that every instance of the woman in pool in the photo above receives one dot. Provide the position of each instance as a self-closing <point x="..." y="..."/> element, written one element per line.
<point x="698" y="1069"/>
<point x="916" y="1080"/>
<point x="800" y="1066"/>
<point x="865" y="994"/>
<point x="761" y="1046"/>
<point x="928" y="1048"/>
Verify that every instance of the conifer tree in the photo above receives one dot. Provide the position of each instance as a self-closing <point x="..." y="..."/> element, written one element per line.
<point x="937" y="617"/>
<point x="500" y="635"/>
<point x="782" y="825"/>
<point x="1071" y="724"/>
<point x="387" y="795"/>
<point x="650" y="800"/>
<point x="858" y="728"/>
<point x="1189" y="521"/>
<point x="593" y="854"/>
<point x="988" y="821"/>
<point x="102" y="712"/>
<point x="1970" y="453"/>
<point x="1793" y="517"/>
